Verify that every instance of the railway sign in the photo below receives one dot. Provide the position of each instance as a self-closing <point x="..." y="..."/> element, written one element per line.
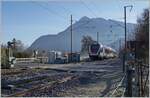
<point x="130" y="56"/>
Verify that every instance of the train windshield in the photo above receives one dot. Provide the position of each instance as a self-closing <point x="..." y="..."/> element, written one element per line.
<point x="95" y="48"/>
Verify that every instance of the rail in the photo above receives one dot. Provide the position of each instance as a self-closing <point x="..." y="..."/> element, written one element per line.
<point x="118" y="86"/>
<point x="42" y="87"/>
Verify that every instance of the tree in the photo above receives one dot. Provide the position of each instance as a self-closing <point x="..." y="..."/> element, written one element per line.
<point x="18" y="49"/>
<point x="142" y="35"/>
<point x="19" y="46"/>
<point x="86" y="42"/>
<point x="4" y="56"/>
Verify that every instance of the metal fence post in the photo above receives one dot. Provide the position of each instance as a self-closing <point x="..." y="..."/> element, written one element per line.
<point x="129" y="82"/>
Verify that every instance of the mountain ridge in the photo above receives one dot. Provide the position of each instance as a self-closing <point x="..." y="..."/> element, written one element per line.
<point x="85" y="26"/>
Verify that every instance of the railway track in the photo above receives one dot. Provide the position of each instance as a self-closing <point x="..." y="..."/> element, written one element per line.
<point x="15" y="71"/>
<point x="119" y="90"/>
<point x="12" y="71"/>
<point x="55" y="81"/>
<point x="43" y="89"/>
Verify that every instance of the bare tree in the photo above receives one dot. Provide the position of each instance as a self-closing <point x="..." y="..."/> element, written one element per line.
<point x="142" y="34"/>
<point x="86" y="42"/>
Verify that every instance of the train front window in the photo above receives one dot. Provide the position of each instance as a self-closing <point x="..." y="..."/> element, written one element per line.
<point x="95" y="48"/>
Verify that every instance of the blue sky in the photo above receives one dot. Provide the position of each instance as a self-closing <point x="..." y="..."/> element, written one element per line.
<point x="26" y="20"/>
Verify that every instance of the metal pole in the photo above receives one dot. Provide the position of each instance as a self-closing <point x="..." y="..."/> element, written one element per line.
<point x="125" y="67"/>
<point x="125" y="30"/>
<point x="14" y="47"/>
<point x="129" y="83"/>
<point x="138" y="78"/>
<point x="141" y="74"/>
<point x="120" y="48"/>
<point x="124" y="56"/>
<point x="97" y="37"/>
<point x="124" y="39"/>
<point x="119" y="45"/>
<point x="9" y="51"/>
<point x="125" y="27"/>
<point x="71" y="37"/>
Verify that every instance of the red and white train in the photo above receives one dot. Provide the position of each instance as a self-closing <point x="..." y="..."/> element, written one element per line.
<point x="99" y="51"/>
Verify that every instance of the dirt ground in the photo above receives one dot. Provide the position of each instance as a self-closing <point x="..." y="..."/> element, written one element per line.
<point x="86" y="79"/>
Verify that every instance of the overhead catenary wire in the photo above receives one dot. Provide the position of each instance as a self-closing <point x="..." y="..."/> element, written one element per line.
<point x="51" y="11"/>
<point x="83" y="24"/>
<point x="64" y="9"/>
<point x="62" y="17"/>
<point x="88" y="8"/>
<point x="58" y="15"/>
<point x="68" y="11"/>
<point x="117" y="18"/>
<point x="117" y="24"/>
<point x="94" y="5"/>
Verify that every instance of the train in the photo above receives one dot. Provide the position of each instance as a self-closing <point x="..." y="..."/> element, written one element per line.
<point x="99" y="51"/>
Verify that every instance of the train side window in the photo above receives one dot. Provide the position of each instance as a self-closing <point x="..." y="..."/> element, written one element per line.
<point x="101" y="49"/>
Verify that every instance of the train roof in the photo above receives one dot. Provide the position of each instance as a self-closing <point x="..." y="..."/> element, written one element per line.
<point x="107" y="47"/>
<point x="104" y="46"/>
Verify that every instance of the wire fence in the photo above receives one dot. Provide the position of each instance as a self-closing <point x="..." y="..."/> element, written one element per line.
<point x="135" y="82"/>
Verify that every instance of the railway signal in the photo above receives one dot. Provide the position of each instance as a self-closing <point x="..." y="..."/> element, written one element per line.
<point x="11" y="46"/>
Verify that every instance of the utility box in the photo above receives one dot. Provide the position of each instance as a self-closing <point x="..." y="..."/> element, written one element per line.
<point x="52" y="57"/>
<point x="60" y="60"/>
<point x="43" y="60"/>
<point x="74" y="57"/>
<point x="55" y="57"/>
<point x="12" y="61"/>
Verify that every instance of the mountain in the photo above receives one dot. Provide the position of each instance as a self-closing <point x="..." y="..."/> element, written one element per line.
<point x="109" y="32"/>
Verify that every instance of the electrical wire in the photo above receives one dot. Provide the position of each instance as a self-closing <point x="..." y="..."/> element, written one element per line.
<point x="88" y="8"/>
<point x="47" y="9"/>
<point x="52" y="12"/>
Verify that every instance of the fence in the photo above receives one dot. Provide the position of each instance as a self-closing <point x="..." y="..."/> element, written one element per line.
<point x="142" y="71"/>
<point x="26" y="60"/>
<point x="137" y="82"/>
